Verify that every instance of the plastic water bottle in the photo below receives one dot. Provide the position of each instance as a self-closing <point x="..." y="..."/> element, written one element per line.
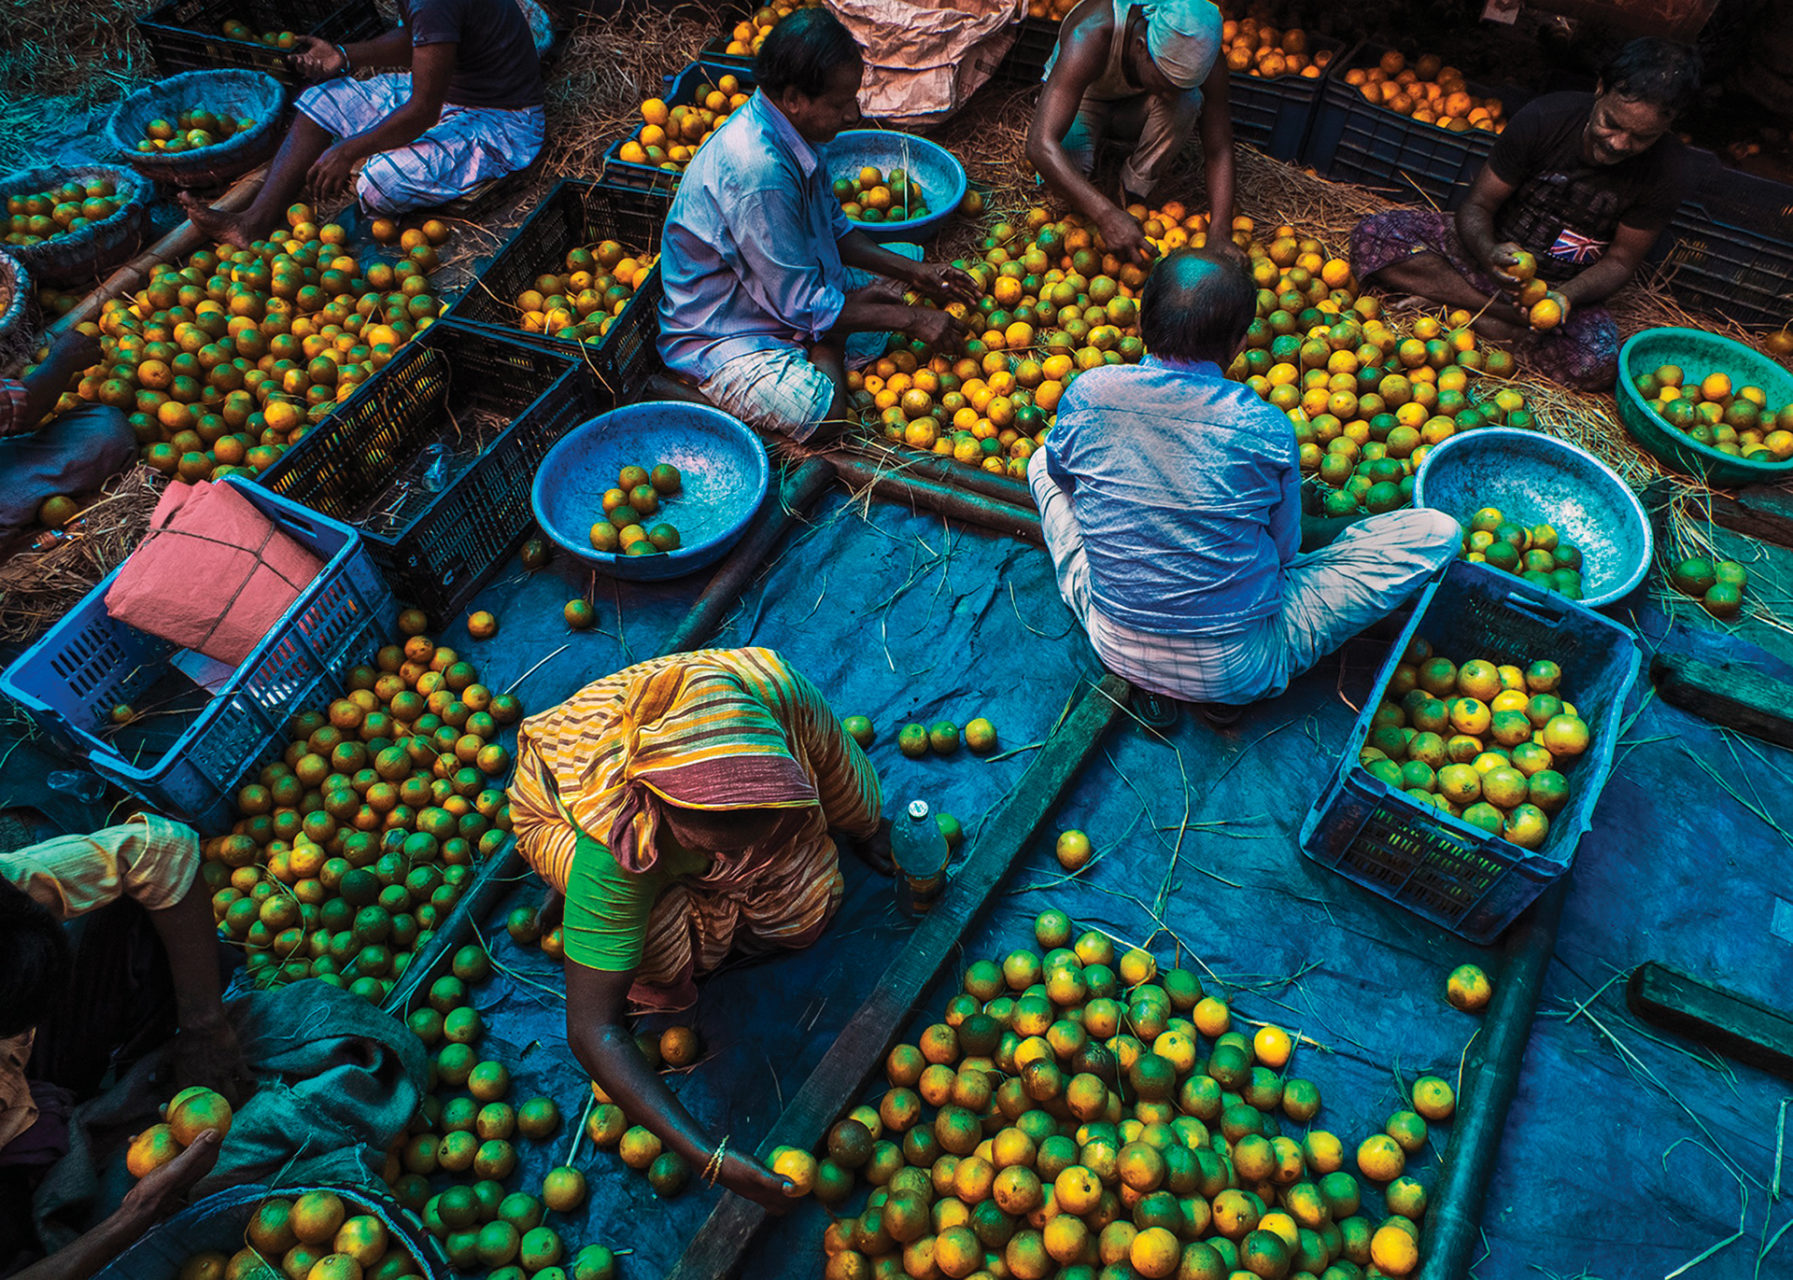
<point x="918" y="847"/>
<point x="85" y="787"/>
<point x="434" y="459"/>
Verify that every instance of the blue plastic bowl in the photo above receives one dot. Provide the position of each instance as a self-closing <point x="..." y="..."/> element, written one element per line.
<point x="1698" y="353"/>
<point x="941" y="176"/>
<point x="1537" y="479"/>
<point x="723" y="466"/>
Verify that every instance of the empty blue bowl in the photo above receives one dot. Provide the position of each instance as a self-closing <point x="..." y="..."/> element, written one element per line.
<point x="1535" y="479"/>
<point x="941" y="176"/>
<point x="722" y="464"/>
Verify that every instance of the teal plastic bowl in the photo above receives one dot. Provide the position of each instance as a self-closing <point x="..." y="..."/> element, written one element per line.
<point x="939" y="172"/>
<point x="1537" y="479"/>
<point x="1697" y="354"/>
<point x="722" y="465"/>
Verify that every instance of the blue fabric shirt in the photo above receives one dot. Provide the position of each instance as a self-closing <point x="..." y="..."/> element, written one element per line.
<point x="1187" y="490"/>
<point x="750" y="257"/>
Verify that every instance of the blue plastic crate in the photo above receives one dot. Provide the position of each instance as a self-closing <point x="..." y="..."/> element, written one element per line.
<point x="1447" y="870"/>
<point x="187" y="758"/>
<point x="1729" y="247"/>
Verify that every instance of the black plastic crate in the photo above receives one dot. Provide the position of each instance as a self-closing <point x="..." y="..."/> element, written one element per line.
<point x="1026" y="59"/>
<point x="496" y="407"/>
<point x="575" y="213"/>
<point x="1274" y="115"/>
<point x="1351" y="140"/>
<point x="188" y="35"/>
<point x="1729" y="248"/>
<point x="681" y="90"/>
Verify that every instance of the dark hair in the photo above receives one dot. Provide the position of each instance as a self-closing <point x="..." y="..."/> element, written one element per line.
<point x="803" y="50"/>
<point x="1660" y="72"/>
<point x="34" y="960"/>
<point x="1197" y="305"/>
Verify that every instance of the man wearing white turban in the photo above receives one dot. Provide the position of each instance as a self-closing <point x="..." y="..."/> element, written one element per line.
<point x="1140" y="70"/>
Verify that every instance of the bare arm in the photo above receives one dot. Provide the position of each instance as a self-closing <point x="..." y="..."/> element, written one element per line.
<point x="605" y="1048"/>
<point x="205" y="1050"/>
<point x="1082" y="52"/>
<point x="317" y="59"/>
<point x="152" y="1198"/>
<point x="1475" y="219"/>
<point x="1217" y="153"/>
<point x="941" y="282"/>
<point x="72" y="353"/>
<point x="1614" y="269"/>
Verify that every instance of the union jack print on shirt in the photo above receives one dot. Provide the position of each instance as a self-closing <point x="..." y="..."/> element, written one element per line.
<point x="1572" y="246"/>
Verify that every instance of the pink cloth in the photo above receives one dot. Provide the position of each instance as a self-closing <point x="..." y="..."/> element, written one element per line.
<point x="213" y="575"/>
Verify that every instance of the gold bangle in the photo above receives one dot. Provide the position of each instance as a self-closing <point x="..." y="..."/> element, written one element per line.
<point x="713" y="1170"/>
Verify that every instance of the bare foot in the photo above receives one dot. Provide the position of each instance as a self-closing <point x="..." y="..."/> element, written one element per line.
<point x="216" y="223"/>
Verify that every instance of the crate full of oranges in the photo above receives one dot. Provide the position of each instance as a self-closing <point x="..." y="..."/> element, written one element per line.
<point x="697" y="103"/>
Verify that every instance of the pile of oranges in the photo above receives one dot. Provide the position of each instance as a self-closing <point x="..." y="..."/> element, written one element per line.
<point x="1055" y="304"/>
<point x="1486" y="742"/>
<point x="1050" y="10"/>
<point x="670" y="135"/>
<point x="457" y="1163"/>
<point x="1428" y="91"/>
<point x="355" y="844"/>
<point x="319" y="1235"/>
<point x="1365" y="402"/>
<point x="746" y="37"/>
<point x="585" y="298"/>
<point x="225" y="362"/>
<point x="1076" y="1110"/>
<point x="1259" y="49"/>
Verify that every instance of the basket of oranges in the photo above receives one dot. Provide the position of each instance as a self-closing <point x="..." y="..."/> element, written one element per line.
<point x="18" y="314"/>
<point x="199" y="129"/>
<point x="69" y="226"/>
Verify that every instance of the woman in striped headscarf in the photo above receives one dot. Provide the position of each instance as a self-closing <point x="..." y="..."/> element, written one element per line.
<point x="684" y="808"/>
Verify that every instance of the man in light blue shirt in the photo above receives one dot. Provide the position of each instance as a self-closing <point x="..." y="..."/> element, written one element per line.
<point x="765" y="278"/>
<point x="1170" y="501"/>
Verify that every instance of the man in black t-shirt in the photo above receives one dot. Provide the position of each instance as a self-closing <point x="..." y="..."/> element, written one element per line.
<point x="469" y="109"/>
<point x="1584" y="182"/>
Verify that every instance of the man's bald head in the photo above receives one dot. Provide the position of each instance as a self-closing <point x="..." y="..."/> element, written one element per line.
<point x="1197" y="305"/>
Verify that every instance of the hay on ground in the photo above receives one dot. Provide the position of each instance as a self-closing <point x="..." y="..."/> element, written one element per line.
<point x="39" y="587"/>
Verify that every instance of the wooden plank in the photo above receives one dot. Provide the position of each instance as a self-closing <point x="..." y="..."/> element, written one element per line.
<point x="943" y="499"/>
<point x="1734" y="1025"/>
<point x="839" y="1078"/>
<point x="177" y="243"/>
<point x="927" y="466"/>
<point x="1757" y="512"/>
<point x="1452" y="1236"/>
<point x="1726" y="694"/>
<point x="801" y="486"/>
<point x="1763" y="512"/>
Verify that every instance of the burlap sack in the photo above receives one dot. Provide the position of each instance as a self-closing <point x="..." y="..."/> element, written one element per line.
<point x="922" y="61"/>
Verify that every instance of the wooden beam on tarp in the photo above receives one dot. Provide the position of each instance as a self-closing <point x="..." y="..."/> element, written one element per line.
<point x="720" y="1244"/>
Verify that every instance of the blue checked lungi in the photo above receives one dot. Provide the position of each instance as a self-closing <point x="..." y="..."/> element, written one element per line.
<point x="467" y="146"/>
<point x="778" y="389"/>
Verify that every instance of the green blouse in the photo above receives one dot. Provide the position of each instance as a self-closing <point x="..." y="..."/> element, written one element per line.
<point x="607" y="908"/>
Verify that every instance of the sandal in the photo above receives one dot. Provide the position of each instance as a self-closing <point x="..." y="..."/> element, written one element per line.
<point x="1154" y="710"/>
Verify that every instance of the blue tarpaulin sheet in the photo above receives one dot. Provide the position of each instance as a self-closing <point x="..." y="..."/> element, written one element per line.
<point x="1627" y="1153"/>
